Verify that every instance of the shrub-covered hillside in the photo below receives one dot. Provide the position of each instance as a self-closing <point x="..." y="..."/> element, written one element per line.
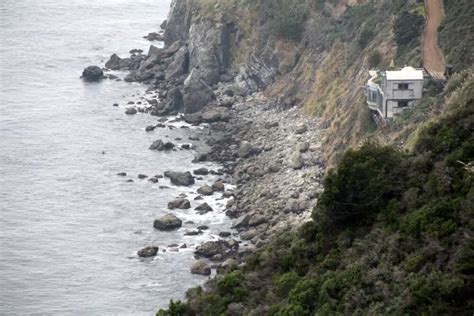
<point x="392" y="235"/>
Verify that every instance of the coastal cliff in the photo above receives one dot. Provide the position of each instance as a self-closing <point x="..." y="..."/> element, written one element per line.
<point x="281" y="83"/>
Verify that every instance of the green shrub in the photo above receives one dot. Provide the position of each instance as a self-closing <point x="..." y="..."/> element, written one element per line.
<point x="375" y="58"/>
<point x="288" y="19"/>
<point x="365" y="180"/>
<point x="175" y="309"/>
<point x="408" y="27"/>
<point x="284" y="283"/>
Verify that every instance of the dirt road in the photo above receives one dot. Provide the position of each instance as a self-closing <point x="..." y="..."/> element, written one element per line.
<point x="432" y="57"/>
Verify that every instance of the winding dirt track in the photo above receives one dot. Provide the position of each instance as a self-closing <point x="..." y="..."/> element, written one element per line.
<point x="433" y="59"/>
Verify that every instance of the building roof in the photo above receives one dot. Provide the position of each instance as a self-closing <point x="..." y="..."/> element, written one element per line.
<point x="407" y="73"/>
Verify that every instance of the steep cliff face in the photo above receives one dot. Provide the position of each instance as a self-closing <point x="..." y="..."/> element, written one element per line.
<point x="314" y="54"/>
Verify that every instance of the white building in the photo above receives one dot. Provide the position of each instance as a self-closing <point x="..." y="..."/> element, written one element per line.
<point x="390" y="92"/>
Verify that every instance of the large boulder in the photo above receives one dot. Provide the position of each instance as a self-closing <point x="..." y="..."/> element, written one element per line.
<point x="296" y="160"/>
<point x="155" y="54"/>
<point x="180" y="178"/>
<point x="167" y="222"/>
<point x="92" y="73"/>
<point x="147" y="252"/>
<point x="196" y="93"/>
<point x="203" y="209"/>
<point x="180" y="204"/>
<point x="115" y="63"/>
<point x="200" y="267"/>
<point x="159" y="145"/>
<point x="205" y="190"/>
<point x="212" y="248"/>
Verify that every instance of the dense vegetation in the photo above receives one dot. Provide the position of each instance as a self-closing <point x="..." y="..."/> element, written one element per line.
<point x="392" y="234"/>
<point x="457" y="33"/>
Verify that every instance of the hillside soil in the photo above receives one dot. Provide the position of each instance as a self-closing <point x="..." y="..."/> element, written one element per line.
<point x="432" y="57"/>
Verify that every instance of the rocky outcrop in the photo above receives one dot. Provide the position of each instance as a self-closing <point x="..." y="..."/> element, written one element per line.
<point x="200" y="267"/>
<point x="179" y="21"/>
<point x="179" y="204"/>
<point x="180" y="178"/>
<point x="167" y="222"/>
<point x="147" y="252"/>
<point x="92" y="73"/>
<point x="196" y="93"/>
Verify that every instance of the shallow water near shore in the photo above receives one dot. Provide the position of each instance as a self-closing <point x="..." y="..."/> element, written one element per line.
<point x="70" y="227"/>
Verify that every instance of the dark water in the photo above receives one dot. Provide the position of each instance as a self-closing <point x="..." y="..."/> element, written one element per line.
<point x="69" y="227"/>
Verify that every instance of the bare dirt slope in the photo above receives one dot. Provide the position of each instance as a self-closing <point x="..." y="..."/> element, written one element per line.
<point x="432" y="56"/>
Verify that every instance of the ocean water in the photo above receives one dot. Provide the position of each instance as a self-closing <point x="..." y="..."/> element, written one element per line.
<point x="69" y="226"/>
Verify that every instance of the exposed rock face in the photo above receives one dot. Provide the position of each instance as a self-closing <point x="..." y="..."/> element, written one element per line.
<point x="147" y="252"/>
<point x="179" y="21"/>
<point x="180" y="64"/>
<point x="167" y="222"/>
<point x="255" y="75"/>
<point x="205" y="42"/>
<point x="92" y="73"/>
<point x="200" y="267"/>
<point x="180" y="178"/>
<point x="196" y="94"/>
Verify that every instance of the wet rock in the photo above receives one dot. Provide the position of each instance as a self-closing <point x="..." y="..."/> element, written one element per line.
<point x="205" y="190"/>
<point x="236" y="309"/>
<point x="115" y="104"/>
<point x="167" y="222"/>
<point x="142" y="176"/>
<point x="153" y="36"/>
<point x="150" y="128"/>
<point x="203" y="227"/>
<point x="92" y="73"/>
<point x="179" y="204"/>
<point x="218" y="186"/>
<point x="211" y="248"/>
<point x="224" y="234"/>
<point x="147" y="252"/>
<point x="153" y="180"/>
<point x="201" y="268"/>
<point x="192" y="233"/>
<point x="122" y="174"/>
<point x="131" y="111"/>
<point x="180" y="178"/>
<point x="249" y="234"/>
<point x="203" y="209"/>
<point x="115" y="63"/>
<point x="159" y="145"/>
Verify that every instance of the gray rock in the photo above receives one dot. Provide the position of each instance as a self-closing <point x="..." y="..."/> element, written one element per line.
<point x="203" y="209"/>
<point x="92" y="73"/>
<point x="179" y="204"/>
<point x="301" y="128"/>
<point x="236" y="309"/>
<point x="167" y="222"/>
<point x="249" y="234"/>
<point x="131" y="111"/>
<point x="147" y="252"/>
<point x="180" y="64"/>
<point x="153" y="36"/>
<point x="296" y="160"/>
<point x="159" y="145"/>
<point x="196" y="94"/>
<point x="257" y="219"/>
<point x="150" y="128"/>
<point x="180" y="178"/>
<point x="211" y="248"/>
<point x="201" y="268"/>
<point x="142" y="176"/>
<point x="218" y="186"/>
<point x="224" y="234"/>
<point x="303" y="147"/>
<point x="245" y="150"/>
<point x="205" y="190"/>
<point x="201" y="172"/>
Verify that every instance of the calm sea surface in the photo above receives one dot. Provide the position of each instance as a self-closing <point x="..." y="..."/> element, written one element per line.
<point x="69" y="226"/>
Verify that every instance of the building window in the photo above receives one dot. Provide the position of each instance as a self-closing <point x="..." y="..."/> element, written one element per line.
<point x="403" y="86"/>
<point x="402" y="104"/>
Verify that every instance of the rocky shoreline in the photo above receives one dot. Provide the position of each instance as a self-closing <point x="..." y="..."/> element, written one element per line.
<point x="270" y="153"/>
